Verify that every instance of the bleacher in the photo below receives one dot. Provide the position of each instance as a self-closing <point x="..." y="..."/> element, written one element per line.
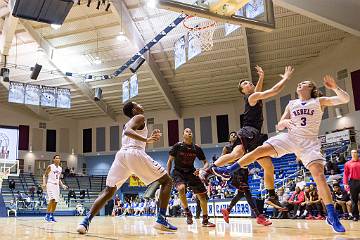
<point x="92" y="185"/>
<point x="287" y="163"/>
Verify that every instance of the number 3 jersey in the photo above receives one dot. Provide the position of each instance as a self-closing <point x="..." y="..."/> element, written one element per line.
<point x="54" y="175"/>
<point x="307" y="116"/>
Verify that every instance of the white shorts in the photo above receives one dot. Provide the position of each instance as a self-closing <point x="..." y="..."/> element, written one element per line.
<point x="305" y="149"/>
<point x="133" y="161"/>
<point x="53" y="191"/>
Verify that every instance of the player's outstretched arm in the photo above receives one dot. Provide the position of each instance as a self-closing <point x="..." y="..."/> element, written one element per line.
<point x="260" y="83"/>
<point x="341" y="97"/>
<point x="277" y="88"/>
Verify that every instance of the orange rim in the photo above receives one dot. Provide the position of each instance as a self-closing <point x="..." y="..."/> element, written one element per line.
<point x="197" y="28"/>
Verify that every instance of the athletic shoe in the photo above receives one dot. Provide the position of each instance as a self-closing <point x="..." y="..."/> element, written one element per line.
<point x="262" y="220"/>
<point x="225" y="214"/>
<point x="274" y="200"/>
<point x="319" y="217"/>
<point x="83" y="227"/>
<point x="222" y="172"/>
<point x="334" y="222"/>
<point x="355" y="219"/>
<point x="206" y="223"/>
<point x="189" y="218"/>
<point x="310" y="217"/>
<point x="47" y="218"/>
<point x="52" y="218"/>
<point x="283" y="209"/>
<point x="163" y="225"/>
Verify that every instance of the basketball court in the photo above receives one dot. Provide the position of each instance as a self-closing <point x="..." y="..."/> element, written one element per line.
<point x="141" y="228"/>
<point x="65" y="78"/>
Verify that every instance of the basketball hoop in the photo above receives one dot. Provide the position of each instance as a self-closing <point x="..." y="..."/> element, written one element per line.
<point x="202" y="29"/>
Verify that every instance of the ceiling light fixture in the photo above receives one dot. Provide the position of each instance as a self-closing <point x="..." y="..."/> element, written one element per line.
<point x="55" y="26"/>
<point x="107" y="7"/>
<point x="121" y="37"/>
<point x="97" y="60"/>
<point x="151" y="3"/>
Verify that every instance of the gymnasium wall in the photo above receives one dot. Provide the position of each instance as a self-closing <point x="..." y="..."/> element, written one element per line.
<point x="100" y="164"/>
<point x="197" y="114"/>
<point x="66" y="135"/>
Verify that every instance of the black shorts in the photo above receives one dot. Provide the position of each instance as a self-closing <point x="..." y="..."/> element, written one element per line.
<point x="189" y="179"/>
<point x="239" y="179"/>
<point x="250" y="138"/>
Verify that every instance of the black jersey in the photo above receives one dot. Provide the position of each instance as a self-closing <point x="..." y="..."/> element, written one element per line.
<point x="185" y="156"/>
<point x="253" y="115"/>
<point x="229" y="147"/>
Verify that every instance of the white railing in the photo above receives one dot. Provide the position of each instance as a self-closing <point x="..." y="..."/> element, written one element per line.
<point x="283" y="181"/>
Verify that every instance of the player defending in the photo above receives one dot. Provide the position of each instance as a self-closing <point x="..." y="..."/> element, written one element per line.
<point x="132" y="159"/>
<point x="302" y="118"/>
<point x="240" y="181"/>
<point x="51" y="184"/>
<point x="183" y="154"/>
<point x="249" y="136"/>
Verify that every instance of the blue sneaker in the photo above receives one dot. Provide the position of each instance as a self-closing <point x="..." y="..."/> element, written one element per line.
<point x="47" y="218"/>
<point x="163" y="225"/>
<point x="334" y="222"/>
<point x="52" y="218"/>
<point x="222" y="172"/>
<point x="83" y="227"/>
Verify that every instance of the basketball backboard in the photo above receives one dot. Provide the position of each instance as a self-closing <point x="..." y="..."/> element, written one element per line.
<point x="256" y="14"/>
<point x="9" y="167"/>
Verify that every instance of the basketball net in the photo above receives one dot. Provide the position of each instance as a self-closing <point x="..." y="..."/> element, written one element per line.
<point x="201" y="29"/>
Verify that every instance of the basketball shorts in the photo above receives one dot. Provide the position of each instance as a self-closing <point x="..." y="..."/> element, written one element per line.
<point x="53" y="191"/>
<point x="250" y="138"/>
<point x="189" y="179"/>
<point x="305" y="149"/>
<point x="133" y="161"/>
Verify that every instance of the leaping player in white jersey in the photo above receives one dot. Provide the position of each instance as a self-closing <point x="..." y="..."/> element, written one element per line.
<point x="132" y="159"/>
<point x="53" y="173"/>
<point x="302" y="118"/>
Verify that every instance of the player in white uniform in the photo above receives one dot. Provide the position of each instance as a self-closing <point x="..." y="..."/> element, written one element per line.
<point x="53" y="173"/>
<point x="302" y="118"/>
<point x="132" y="159"/>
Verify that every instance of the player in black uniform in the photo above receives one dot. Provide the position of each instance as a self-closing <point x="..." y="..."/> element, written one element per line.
<point x="183" y="154"/>
<point x="249" y="136"/>
<point x="240" y="181"/>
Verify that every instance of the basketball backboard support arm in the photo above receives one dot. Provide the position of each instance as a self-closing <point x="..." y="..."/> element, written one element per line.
<point x="10" y="166"/>
<point x="203" y="12"/>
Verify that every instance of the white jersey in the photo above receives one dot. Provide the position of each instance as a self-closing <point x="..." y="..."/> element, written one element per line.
<point x="307" y="116"/>
<point x="54" y="174"/>
<point x="128" y="142"/>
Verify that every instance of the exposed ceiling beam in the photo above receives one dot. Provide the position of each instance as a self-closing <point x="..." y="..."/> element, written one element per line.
<point x="84" y="87"/>
<point x="8" y="33"/>
<point x="343" y="15"/>
<point x="130" y="28"/>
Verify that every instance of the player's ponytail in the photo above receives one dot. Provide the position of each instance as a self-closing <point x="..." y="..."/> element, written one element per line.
<point x="315" y="93"/>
